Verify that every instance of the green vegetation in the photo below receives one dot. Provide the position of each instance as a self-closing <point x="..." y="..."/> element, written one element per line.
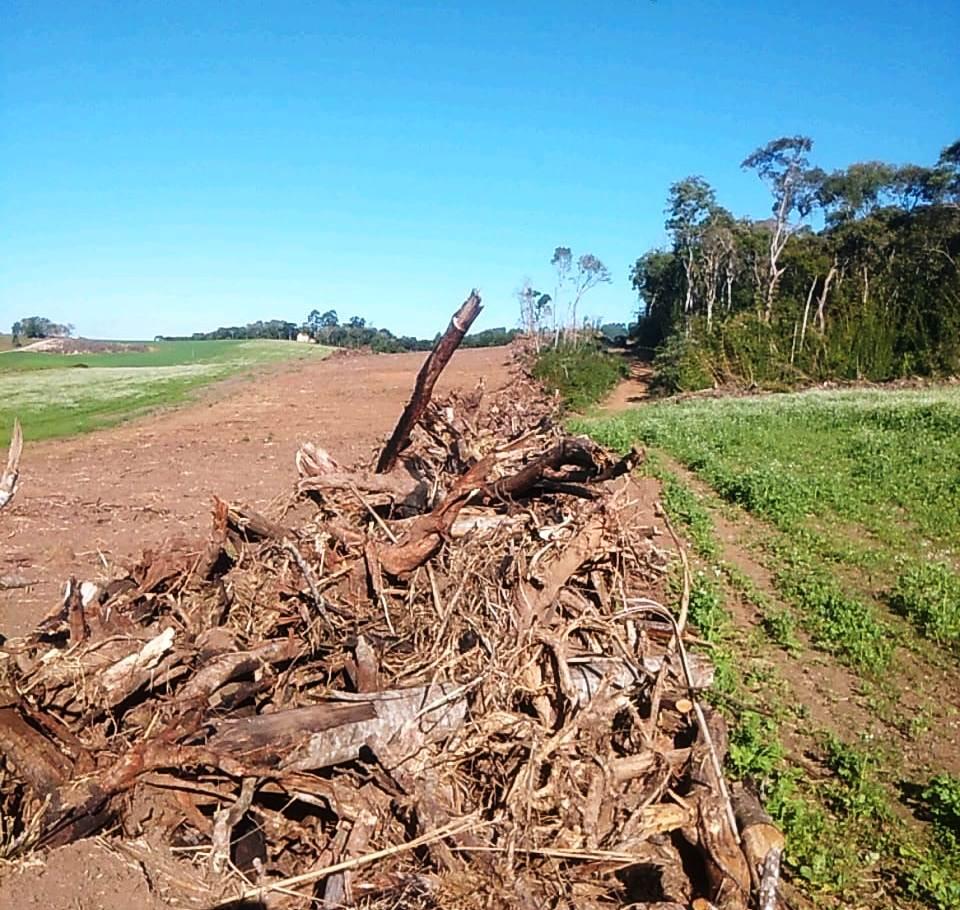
<point x="934" y="872"/>
<point x="830" y="826"/>
<point x="155" y="354"/>
<point x="58" y="395"/>
<point x="873" y="295"/>
<point x="326" y="329"/>
<point x="929" y="595"/>
<point x="852" y="478"/>
<point x="843" y="625"/>
<point x="857" y="491"/>
<point x="582" y="374"/>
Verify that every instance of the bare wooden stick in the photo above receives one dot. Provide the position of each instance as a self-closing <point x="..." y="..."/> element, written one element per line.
<point x="8" y="480"/>
<point x="687" y="578"/>
<point x="427" y="378"/>
<point x="769" y="880"/>
<point x="318" y="600"/>
<point x="225" y="820"/>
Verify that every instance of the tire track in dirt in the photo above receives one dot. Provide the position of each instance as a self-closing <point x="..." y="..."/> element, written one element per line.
<point x="118" y="490"/>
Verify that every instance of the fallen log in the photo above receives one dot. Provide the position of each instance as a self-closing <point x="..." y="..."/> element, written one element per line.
<point x="762" y="841"/>
<point x="253" y="526"/>
<point x="438" y="358"/>
<point x="32" y="754"/>
<point x="9" y="582"/>
<point x="333" y="732"/>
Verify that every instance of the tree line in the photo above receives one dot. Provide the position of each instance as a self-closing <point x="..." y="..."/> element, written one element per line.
<point x="874" y="293"/>
<point x="356" y="332"/>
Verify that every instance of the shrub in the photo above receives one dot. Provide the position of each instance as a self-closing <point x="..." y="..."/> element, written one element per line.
<point x="582" y="375"/>
<point x="682" y="365"/>
<point x="929" y="595"/>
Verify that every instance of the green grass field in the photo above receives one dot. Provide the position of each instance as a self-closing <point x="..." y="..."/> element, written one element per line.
<point x="851" y="501"/>
<point x="869" y="479"/>
<point x="57" y="395"/>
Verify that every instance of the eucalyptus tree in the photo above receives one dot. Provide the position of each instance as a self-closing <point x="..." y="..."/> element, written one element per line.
<point x="689" y="207"/>
<point x="784" y="166"/>
<point x="575" y="278"/>
<point x="717" y="261"/>
<point x="534" y="310"/>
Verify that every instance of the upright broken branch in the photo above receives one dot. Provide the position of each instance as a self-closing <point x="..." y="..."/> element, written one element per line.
<point x="8" y="481"/>
<point x="427" y="378"/>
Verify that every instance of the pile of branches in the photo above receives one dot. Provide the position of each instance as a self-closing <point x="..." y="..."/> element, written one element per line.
<point x="451" y="685"/>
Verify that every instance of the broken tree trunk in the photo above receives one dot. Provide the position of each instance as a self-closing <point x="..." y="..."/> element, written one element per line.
<point x="8" y="480"/>
<point x="427" y="378"/>
<point x="762" y="841"/>
<point x="332" y="732"/>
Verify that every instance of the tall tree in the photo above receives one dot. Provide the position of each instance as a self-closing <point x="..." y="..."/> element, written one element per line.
<point x="783" y="165"/>
<point x="590" y="273"/>
<point x="689" y="206"/>
<point x="575" y="278"/>
<point x="856" y="191"/>
<point x="717" y="257"/>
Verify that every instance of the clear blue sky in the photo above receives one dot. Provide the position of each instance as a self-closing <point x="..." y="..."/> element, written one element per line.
<point x="168" y="167"/>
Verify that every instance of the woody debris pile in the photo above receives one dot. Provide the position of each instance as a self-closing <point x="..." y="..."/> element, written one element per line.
<point x="452" y="685"/>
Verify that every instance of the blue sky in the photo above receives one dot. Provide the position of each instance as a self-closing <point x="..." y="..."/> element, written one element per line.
<point x="170" y="167"/>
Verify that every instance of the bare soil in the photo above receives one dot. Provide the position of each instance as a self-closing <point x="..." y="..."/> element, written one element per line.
<point x="118" y="490"/>
<point x="632" y="391"/>
<point x="81" y="876"/>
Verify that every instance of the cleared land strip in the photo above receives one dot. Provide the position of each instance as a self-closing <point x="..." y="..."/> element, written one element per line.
<point x="130" y="486"/>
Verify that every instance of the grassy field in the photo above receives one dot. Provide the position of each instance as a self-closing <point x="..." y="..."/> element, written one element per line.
<point x="850" y="503"/>
<point x="58" y="395"/>
<point x="869" y="479"/>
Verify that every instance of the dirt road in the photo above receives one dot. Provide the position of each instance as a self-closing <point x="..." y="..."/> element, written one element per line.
<point x="118" y="490"/>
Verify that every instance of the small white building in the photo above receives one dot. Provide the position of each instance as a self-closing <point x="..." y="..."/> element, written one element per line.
<point x="304" y="338"/>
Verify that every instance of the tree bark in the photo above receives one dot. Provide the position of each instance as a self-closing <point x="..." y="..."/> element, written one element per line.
<point x="8" y="480"/>
<point x="822" y="302"/>
<point x="427" y="378"/>
<point x="806" y="312"/>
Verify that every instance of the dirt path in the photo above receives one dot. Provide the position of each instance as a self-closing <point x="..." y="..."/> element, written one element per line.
<point x="632" y="392"/>
<point x="118" y="490"/>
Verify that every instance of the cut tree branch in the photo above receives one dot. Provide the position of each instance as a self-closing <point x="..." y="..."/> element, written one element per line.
<point x="427" y="378"/>
<point x="8" y="480"/>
